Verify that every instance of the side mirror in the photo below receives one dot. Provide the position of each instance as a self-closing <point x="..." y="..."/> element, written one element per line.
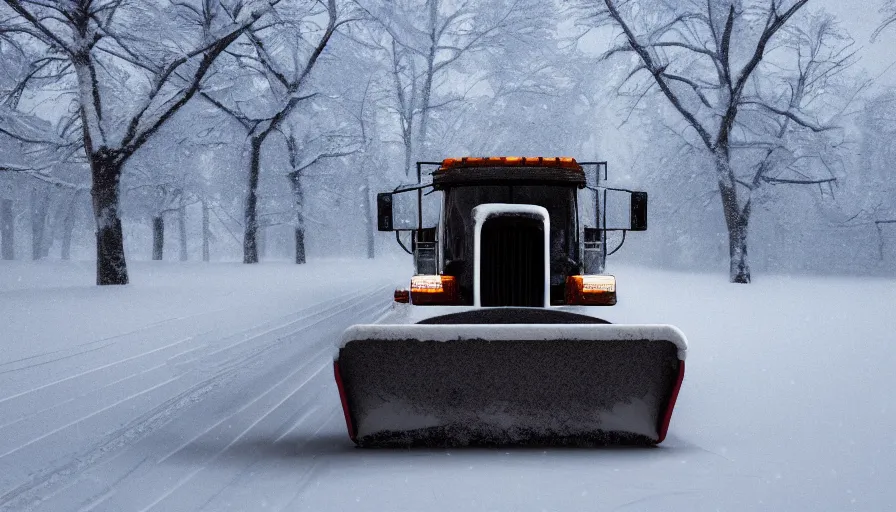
<point x="384" y="211"/>
<point x="639" y="211"/>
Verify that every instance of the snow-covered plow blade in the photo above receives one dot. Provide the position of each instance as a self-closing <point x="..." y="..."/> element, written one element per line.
<point x="542" y="384"/>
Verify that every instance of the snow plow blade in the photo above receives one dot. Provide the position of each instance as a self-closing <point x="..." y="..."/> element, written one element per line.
<point x="534" y="384"/>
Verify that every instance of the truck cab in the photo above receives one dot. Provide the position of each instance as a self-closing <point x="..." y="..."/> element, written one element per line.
<point x="509" y="233"/>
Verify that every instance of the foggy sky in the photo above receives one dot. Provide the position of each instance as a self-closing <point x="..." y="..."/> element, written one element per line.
<point x="860" y="19"/>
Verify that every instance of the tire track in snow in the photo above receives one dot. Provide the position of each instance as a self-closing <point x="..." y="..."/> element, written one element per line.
<point x="148" y="423"/>
<point x="155" y="417"/>
<point x="234" y="483"/>
<point x="73" y="399"/>
<point x="320" y="361"/>
<point x="91" y="415"/>
<point x="183" y="481"/>
<point x="246" y="406"/>
<point x="145" y="328"/>
<point x="206" y="468"/>
<point x="94" y="370"/>
<point x="323" y="306"/>
<point x="95" y="412"/>
<point x="165" y="322"/>
<point x="140" y="393"/>
<point x="303" y="417"/>
<point x="147" y="340"/>
<point x="309" y="474"/>
<point x="261" y="471"/>
<point x="184" y="463"/>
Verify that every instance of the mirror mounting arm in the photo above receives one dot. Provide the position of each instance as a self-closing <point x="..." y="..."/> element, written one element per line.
<point x="398" y="239"/>
<point x="620" y="244"/>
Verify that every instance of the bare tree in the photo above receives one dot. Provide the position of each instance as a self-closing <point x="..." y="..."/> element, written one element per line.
<point x="332" y="147"/>
<point x="32" y="156"/>
<point x="161" y="191"/>
<point x="102" y="39"/>
<point x="286" y="77"/>
<point x="873" y="198"/>
<point x="889" y="12"/>
<point x="706" y="58"/>
<point x="206" y="232"/>
<point x="7" y="230"/>
<point x="40" y="207"/>
<point x="790" y="143"/>
<point x="367" y="121"/>
<point x="428" y="39"/>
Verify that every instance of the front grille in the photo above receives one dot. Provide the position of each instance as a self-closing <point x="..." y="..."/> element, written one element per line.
<point x="512" y="262"/>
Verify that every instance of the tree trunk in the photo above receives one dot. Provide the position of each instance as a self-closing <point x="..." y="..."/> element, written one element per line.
<point x="298" y="194"/>
<point x="7" y="231"/>
<point x="408" y="158"/>
<point x="40" y="202"/>
<point x="46" y="244"/>
<point x="68" y="226"/>
<point x="370" y="221"/>
<point x="182" y="230"/>
<point x="737" y="220"/>
<point x="422" y="145"/>
<point x="111" y="267"/>
<point x="158" y="238"/>
<point x="205" y="232"/>
<point x="250" y="238"/>
<point x="300" y="245"/>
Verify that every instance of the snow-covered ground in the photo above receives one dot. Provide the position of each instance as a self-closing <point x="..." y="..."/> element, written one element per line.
<point x="209" y="387"/>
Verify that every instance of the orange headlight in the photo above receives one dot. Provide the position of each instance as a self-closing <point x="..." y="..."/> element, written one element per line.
<point x="434" y="290"/>
<point x="591" y="290"/>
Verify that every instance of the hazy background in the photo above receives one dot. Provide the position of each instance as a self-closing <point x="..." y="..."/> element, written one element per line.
<point x="507" y="78"/>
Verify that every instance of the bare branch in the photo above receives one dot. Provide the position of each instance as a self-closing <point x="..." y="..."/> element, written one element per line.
<point x="773" y="25"/>
<point x="797" y="182"/>
<point x="49" y="36"/>
<point x="694" y="85"/>
<point x="134" y="138"/>
<point x="790" y="115"/>
<point x="657" y="73"/>
<point x="40" y="175"/>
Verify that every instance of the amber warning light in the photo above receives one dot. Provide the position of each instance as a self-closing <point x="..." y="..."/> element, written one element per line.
<point x="563" y="162"/>
<point x="594" y="290"/>
<point x="434" y="290"/>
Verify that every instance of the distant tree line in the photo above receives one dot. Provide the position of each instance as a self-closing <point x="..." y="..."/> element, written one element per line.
<point x="249" y="113"/>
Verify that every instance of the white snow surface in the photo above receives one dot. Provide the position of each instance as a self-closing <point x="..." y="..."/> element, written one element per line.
<point x="210" y="387"/>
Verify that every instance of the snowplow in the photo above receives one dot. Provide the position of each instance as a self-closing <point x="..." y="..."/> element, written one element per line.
<point x="499" y="339"/>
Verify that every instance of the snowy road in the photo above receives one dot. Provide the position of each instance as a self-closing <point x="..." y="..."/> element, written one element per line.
<point x="212" y="390"/>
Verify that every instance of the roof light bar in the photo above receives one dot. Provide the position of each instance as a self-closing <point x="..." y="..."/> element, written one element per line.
<point x="511" y="161"/>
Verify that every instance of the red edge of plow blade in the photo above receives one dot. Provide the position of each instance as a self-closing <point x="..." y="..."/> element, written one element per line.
<point x="344" y="399"/>
<point x="667" y="415"/>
